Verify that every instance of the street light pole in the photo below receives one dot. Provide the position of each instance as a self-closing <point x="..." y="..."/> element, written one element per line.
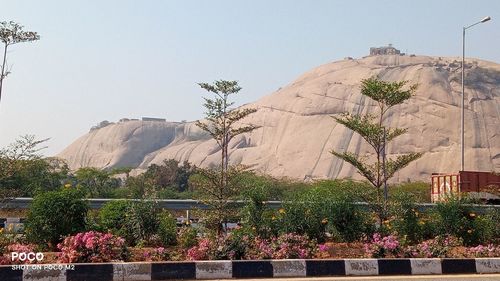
<point x="462" y="130"/>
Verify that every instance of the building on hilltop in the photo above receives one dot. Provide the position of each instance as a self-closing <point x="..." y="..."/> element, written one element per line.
<point x="153" y="119"/>
<point x="387" y="50"/>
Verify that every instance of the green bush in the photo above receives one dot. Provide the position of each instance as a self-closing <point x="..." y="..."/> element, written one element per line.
<point x="405" y="217"/>
<point x="488" y="226"/>
<point x="454" y="217"/>
<point x="113" y="217"/>
<point x="167" y="229"/>
<point x="420" y="191"/>
<point x="142" y="222"/>
<point x="348" y="222"/>
<point x="187" y="237"/>
<point x="55" y="214"/>
<point x="329" y="207"/>
<point x="255" y="214"/>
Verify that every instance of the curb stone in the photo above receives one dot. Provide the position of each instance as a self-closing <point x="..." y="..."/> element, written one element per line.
<point x="250" y="269"/>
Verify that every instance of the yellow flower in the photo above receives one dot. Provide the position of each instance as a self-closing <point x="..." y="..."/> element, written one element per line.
<point x="68" y="185"/>
<point x="469" y="231"/>
<point x="472" y="215"/>
<point x="273" y="218"/>
<point x="281" y="211"/>
<point x="324" y="221"/>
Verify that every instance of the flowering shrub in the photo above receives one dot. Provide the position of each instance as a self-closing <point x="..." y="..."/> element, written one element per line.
<point x="240" y="246"/>
<point x="292" y="246"/>
<point x="380" y="247"/>
<point x="200" y="251"/>
<point x="487" y="251"/>
<point x="323" y="251"/>
<point x="261" y="249"/>
<point x="91" y="246"/>
<point x="16" y="247"/>
<point x="157" y="254"/>
<point x="285" y="246"/>
<point x="233" y="246"/>
<point x="438" y="247"/>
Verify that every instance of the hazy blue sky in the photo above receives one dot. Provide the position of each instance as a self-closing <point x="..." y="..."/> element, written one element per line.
<point x="105" y="60"/>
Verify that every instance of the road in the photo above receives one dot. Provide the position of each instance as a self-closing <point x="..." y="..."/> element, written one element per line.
<point x="461" y="277"/>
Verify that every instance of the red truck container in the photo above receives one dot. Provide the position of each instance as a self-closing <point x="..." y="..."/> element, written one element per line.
<point x="481" y="185"/>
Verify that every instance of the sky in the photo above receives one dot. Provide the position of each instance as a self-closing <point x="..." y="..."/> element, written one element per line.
<point x="106" y="60"/>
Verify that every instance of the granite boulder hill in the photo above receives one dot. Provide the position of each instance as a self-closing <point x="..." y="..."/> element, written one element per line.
<point x="297" y="131"/>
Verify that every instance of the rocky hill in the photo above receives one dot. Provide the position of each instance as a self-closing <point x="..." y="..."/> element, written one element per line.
<point x="297" y="131"/>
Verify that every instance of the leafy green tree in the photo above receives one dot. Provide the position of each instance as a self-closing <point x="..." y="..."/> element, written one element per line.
<point x="169" y="175"/>
<point x="223" y="124"/>
<point x="12" y="33"/>
<point x="372" y="130"/>
<point x="96" y="182"/>
<point x="25" y="172"/>
<point x="221" y="121"/>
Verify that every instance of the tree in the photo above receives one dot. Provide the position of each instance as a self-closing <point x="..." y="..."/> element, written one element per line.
<point x="96" y="182"/>
<point x="373" y="131"/>
<point x="23" y="169"/>
<point x="223" y="124"/>
<point x="12" y="33"/>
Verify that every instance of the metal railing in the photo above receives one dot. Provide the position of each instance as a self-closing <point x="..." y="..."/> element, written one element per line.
<point x="190" y="204"/>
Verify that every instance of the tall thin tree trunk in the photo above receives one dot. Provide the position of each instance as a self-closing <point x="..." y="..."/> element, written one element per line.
<point x="2" y="75"/>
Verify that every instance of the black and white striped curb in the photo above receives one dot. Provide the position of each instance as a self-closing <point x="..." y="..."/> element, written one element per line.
<point x="246" y="269"/>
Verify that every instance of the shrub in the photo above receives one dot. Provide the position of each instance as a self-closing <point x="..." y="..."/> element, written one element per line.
<point x="488" y="226"/>
<point x="141" y="222"/>
<point x="5" y="258"/>
<point x="327" y="208"/>
<point x="112" y="217"/>
<point x="91" y="247"/>
<point x="381" y="247"/>
<point x="240" y="245"/>
<point x="167" y="229"/>
<point x="200" y="251"/>
<point x="285" y="246"/>
<point x="482" y="251"/>
<point x="439" y="247"/>
<point x="419" y="191"/>
<point x="292" y="246"/>
<point x="55" y="214"/>
<point x="405" y="218"/>
<point x="187" y="237"/>
<point x="454" y="218"/>
<point x="157" y="254"/>
<point x="346" y="221"/>
<point x="232" y="246"/>
<point x="7" y="237"/>
<point x="255" y="214"/>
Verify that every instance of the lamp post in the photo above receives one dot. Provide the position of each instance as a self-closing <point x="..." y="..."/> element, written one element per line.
<point x="463" y="87"/>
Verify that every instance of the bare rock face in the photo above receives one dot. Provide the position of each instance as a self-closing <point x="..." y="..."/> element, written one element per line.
<point x="297" y="131"/>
